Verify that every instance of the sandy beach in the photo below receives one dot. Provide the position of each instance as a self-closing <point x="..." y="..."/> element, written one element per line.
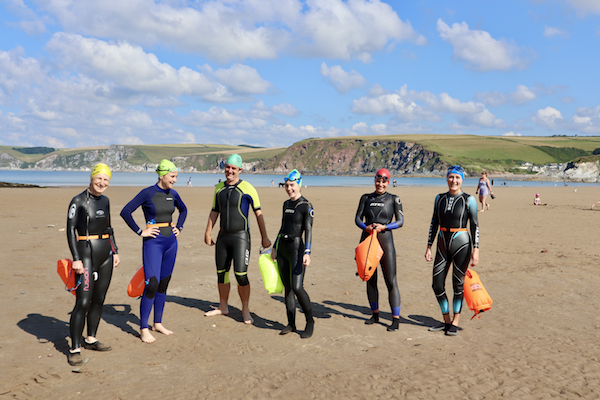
<point x="540" y="340"/>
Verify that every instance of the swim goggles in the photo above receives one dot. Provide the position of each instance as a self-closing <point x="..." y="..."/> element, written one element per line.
<point x="382" y="177"/>
<point x="456" y="169"/>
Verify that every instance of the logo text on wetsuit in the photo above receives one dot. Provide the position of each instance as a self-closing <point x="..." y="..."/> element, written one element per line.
<point x="376" y="205"/>
<point x="290" y="211"/>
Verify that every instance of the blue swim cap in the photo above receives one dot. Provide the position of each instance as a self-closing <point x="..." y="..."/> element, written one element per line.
<point x="458" y="170"/>
<point x="294" y="176"/>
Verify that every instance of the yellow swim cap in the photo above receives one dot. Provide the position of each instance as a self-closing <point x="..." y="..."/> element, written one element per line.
<point x="164" y="167"/>
<point x="100" y="169"/>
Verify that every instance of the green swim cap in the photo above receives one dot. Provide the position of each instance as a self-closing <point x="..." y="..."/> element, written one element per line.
<point x="235" y="159"/>
<point x="165" y="166"/>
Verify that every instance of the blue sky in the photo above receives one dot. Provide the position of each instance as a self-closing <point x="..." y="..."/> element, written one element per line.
<point x="77" y="73"/>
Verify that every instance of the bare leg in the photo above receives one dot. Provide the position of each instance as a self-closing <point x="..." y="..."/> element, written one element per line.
<point x="223" y="309"/>
<point x="158" y="327"/>
<point x="244" y="292"/>
<point x="146" y="336"/>
<point x="455" y="319"/>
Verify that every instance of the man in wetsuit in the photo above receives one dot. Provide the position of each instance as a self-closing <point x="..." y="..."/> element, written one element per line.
<point x="232" y="201"/>
<point x="378" y="209"/>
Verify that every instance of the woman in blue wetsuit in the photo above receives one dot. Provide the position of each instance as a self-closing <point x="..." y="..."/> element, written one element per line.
<point x="160" y="243"/>
<point x="293" y="254"/>
<point x="92" y="243"/>
<point x="452" y="210"/>
<point x="375" y="212"/>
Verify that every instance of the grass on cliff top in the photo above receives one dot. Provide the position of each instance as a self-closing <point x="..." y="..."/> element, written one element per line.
<point x="33" y="158"/>
<point x="155" y="153"/>
<point x="499" y="151"/>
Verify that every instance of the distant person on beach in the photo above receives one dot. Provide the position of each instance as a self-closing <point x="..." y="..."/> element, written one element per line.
<point x="451" y="212"/>
<point x="376" y="212"/>
<point x="232" y="202"/>
<point x="537" y="201"/>
<point x="293" y="255"/>
<point x="189" y="184"/>
<point x="395" y="183"/>
<point x="484" y="189"/>
<point x="272" y="183"/>
<point x="94" y="250"/>
<point x="159" y="248"/>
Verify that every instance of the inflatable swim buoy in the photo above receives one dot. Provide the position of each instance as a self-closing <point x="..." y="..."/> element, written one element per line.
<point x="137" y="284"/>
<point x="270" y="273"/>
<point x="368" y="254"/>
<point x="64" y="268"/>
<point x="476" y="296"/>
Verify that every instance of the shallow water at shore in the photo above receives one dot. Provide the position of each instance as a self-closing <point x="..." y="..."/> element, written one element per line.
<point x="79" y="178"/>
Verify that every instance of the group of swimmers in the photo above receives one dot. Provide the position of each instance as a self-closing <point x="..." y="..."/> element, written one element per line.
<point x="94" y="250"/>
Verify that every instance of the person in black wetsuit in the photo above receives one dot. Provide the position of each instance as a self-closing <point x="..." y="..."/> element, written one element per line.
<point x="376" y="212"/>
<point x="232" y="202"/>
<point x="92" y="244"/>
<point x="160" y="243"/>
<point x="452" y="210"/>
<point x="293" y="255"/>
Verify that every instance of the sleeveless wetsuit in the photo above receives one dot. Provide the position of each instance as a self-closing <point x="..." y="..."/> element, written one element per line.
<point x="483" y="188"/>
<point x="233" y="203"/>
<point x="297" y="218"/>
<point x="451" y="214"/>
<point x="159" y="253"/>
<point x="382" y="209"/>
<point x="91" y="240"/>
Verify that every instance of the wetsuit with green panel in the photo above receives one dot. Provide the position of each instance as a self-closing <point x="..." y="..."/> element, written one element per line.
<point x="233" y="203"/>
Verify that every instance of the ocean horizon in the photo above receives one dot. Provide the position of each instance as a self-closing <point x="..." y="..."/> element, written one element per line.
<point x="81" y="178"/>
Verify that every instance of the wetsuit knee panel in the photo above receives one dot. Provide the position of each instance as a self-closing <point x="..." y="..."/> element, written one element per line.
<point x="164" y="282"/>
<point x="242" y="280"/>
<point x="223" y="277"/>
<point x="151" y="288"/>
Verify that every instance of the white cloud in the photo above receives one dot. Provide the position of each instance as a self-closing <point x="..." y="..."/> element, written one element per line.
<point x="410" y="106"/>
<point x="586" y="6"/>
<point x="492" y="99"/>
<point x="587" y="120"/>
<point x="341" y="80"/>
<point x="522" y="95"/>
<point x="128" y="66"/>
<point x="242" y="79"/>
<point x="551" y="31"/>
<point x="479" y="50"/>
<point x="548" y="117"/>
<point x="353" y="28"/>
<point x="511" y="134"/>
<point x="285" y="109"/>
<point x="237" y="30"/>
<point x="17" y="71"/>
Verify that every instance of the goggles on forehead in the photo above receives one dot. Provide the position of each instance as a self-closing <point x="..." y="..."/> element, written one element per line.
<point x="293" y="179"/>
<point x="382" y="177"/>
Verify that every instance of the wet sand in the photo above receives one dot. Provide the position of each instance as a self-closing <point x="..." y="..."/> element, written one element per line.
<point x="540" y="340"/>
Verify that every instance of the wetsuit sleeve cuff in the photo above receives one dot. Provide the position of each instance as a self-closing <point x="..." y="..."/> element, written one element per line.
<point x="391" y="226"/>
<point x="139" y="231"/>
<point x="362" y="226"/>
<point x="307" y="249"/>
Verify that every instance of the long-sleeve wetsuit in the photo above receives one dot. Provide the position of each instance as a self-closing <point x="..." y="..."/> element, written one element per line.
<point x="233" y="203"/>
<point x="159" y="253"/>
<point x="450" y="215"/>
<point x="382" y="209"/>
<point x="297" y="218"/>
<point x="91" y="241"/>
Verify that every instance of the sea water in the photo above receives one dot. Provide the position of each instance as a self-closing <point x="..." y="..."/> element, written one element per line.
<point x="79" y="178"/>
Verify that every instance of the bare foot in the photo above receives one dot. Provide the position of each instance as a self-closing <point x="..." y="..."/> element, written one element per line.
<point x="146" y="336"/>
<point x="217" y="311"/>
<point x="158" y="327"/>
<point x="248" y="320"/>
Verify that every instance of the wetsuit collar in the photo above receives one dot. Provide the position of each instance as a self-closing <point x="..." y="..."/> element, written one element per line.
<point x="161" y="189"/>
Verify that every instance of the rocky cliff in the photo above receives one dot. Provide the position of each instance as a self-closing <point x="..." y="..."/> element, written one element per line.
<point x="313" y="156"/>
